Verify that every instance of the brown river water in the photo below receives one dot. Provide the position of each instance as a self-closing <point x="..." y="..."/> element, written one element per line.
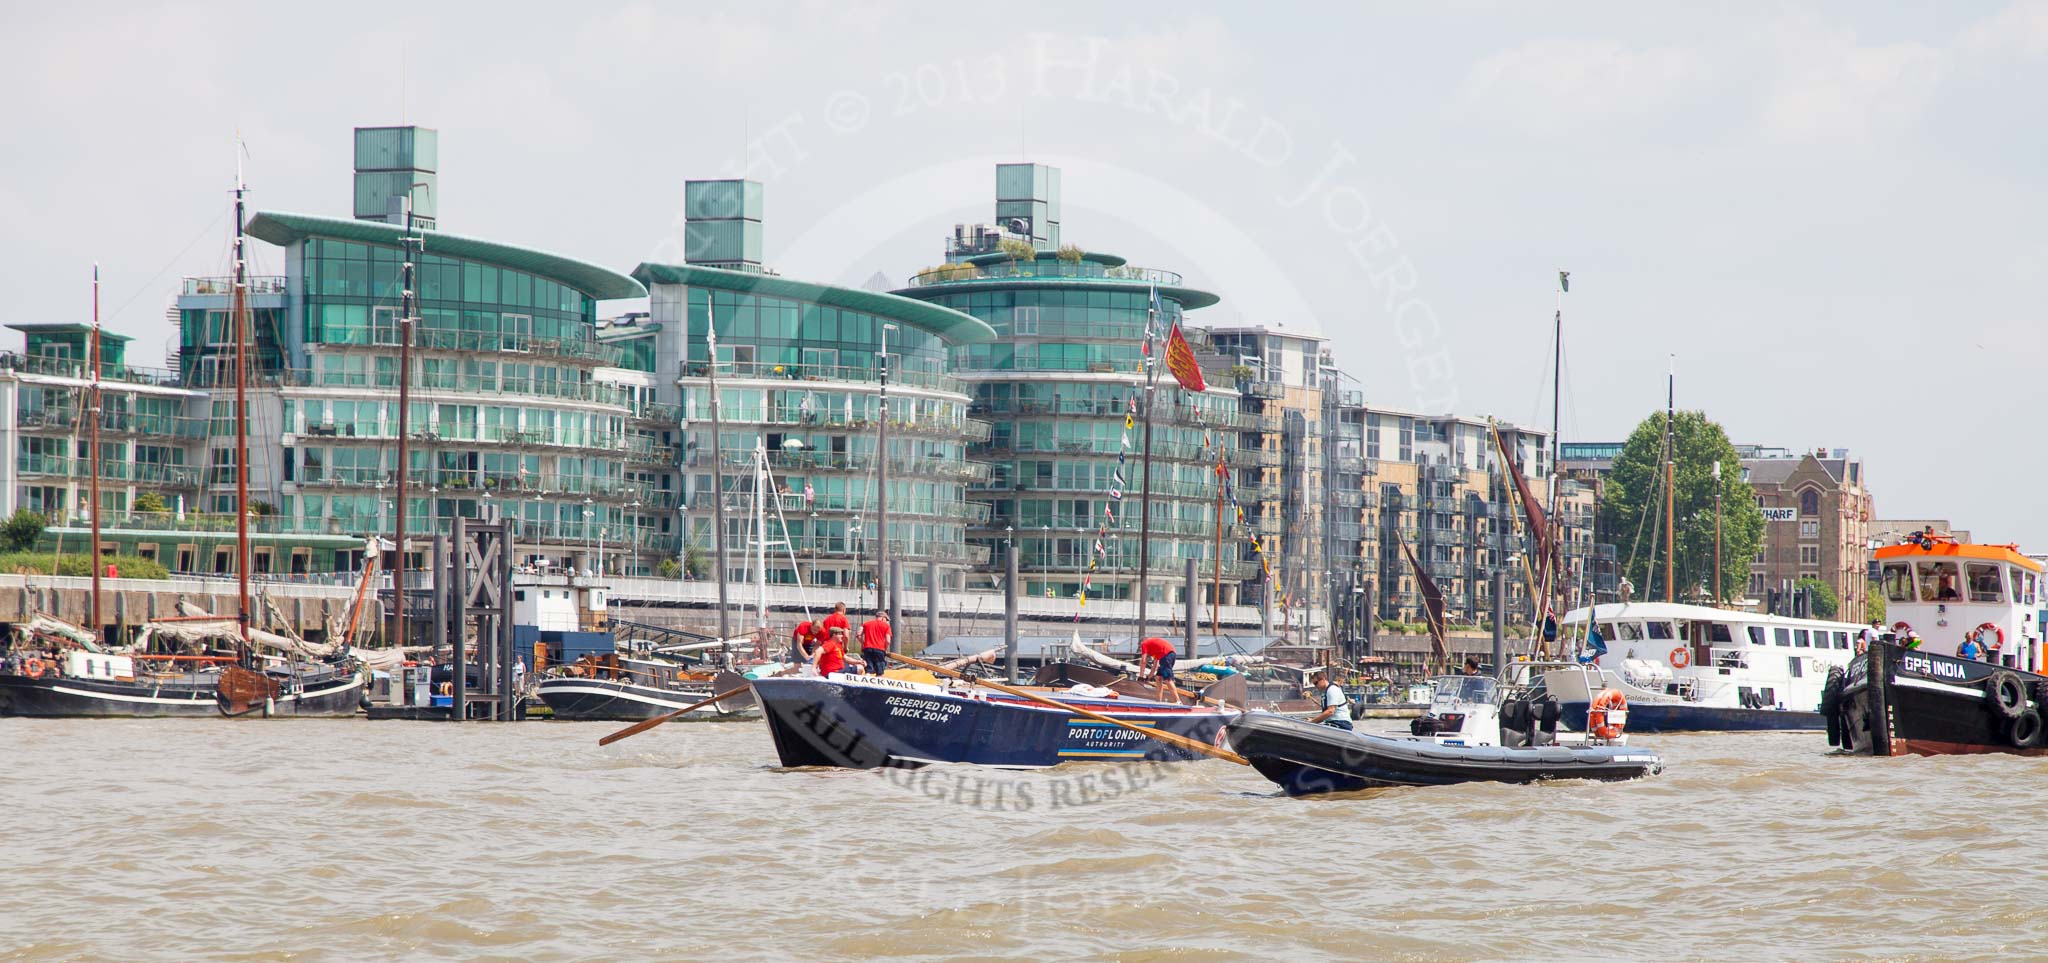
<point x="344" y="840"/>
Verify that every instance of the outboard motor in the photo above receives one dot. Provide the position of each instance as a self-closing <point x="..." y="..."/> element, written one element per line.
<point x="1423" y="725"/>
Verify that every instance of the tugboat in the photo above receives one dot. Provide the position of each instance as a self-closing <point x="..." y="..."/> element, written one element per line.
<point x="1960" y="670"/>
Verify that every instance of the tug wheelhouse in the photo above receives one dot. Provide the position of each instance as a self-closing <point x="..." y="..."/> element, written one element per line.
<point x="1948" y="593"/>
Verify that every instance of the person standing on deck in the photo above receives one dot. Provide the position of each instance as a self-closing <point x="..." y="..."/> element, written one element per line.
<point x="1156" y="657"/>
<point x="1336" y="708"/>
<point x="874" y="643"/>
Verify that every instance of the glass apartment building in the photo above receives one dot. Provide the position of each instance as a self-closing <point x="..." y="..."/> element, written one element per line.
<point x="799" y="371"/>
<point x="515" y="401"/>
<point x="1057" y="384"/>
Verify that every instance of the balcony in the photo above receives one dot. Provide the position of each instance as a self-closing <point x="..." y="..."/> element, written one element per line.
<point x="1262" y="389"/>
<point x="75" y="469"/>
<point x="1004" y="270"/>
<point x="793" y="504"/>
<point x="74" y="368"/>
<point x="586" y="350"/>
<point x="808" y="462"/>
<point x="258" y="284"/>
<point x="796" y="376"/>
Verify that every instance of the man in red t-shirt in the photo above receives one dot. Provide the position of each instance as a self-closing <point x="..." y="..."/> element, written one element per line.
<point x="837" y="620"/>
<point x="830" y="654"/>
<point x="806" y="635"/>
<point x="874" y="643"/>
<point x="1156" y="657"/>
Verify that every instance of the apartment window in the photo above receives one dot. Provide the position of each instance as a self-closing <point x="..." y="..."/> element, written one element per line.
<point x="1809" y="555"/>
<point x="1809" y="528"/>
<point x="1809" y="502"/>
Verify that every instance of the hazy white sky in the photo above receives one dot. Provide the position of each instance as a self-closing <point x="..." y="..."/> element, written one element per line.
<point x="1831" y="213"/>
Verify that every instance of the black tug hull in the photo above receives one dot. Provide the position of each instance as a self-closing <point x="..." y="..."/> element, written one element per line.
<point x="1898" y="702"/>
<point x="1306" y="759"/>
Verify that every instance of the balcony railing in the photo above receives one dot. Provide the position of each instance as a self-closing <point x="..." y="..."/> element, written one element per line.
<point x="962" y="272"/>
<point x="832" y="461"/>
<point x="119" y="470"/>
<point x="77" y="368"/>
<point x="793" y="504"/>
<point x="258" y="284"/>
<point x="796" y="375"/>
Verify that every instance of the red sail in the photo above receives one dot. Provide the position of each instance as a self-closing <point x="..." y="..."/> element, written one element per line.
<point x="1432" y="605"/>
<point x="1532" y="508"/>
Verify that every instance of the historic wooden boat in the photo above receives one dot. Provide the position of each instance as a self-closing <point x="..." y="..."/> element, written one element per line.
<point x="866" y="722"/>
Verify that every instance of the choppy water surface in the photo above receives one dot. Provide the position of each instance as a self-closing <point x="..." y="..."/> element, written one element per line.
<point x="351" y="839"/>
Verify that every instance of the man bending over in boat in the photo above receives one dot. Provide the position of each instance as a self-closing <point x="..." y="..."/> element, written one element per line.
<point x="1156" y="657"/>
<point x="805" y="640"/>
<point x="1336" y="708"/>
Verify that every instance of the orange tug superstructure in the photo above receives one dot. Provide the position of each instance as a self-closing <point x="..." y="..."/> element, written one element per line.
<point x="1948" y="592"/>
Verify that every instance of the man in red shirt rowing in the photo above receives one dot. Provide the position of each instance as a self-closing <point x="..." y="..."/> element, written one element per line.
<point x="874" y="643"/>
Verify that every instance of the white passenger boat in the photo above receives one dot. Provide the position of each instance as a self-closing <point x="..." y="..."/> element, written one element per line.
<point x="1696" y="668"/>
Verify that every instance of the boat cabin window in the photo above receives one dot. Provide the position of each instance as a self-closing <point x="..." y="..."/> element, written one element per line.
<point x="1607" y="631"/>
<point x="1898" y="581"/>
<point x="1782" y="636"/>
<point x="1629" y="631"/>
<point x="1801" y="639"/>
<point x="1797" y="666"/>
<point x="1841" y="640"/>
<point x="2029" y="578"/>
<point x="1659" y="630"/>
<point x="1465" y="688"/>
<point x="1718" y="632"/>
<point x="1938" y="582"/>
<point x="1756" y="635"/>
<point x="1985" y="584"/>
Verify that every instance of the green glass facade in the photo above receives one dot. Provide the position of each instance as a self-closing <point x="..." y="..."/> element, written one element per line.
<point x="800" y="380"/>
<point x="1057" y="386"/>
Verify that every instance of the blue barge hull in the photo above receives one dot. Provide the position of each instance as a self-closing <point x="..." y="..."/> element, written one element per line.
<point x="865" y="723"/>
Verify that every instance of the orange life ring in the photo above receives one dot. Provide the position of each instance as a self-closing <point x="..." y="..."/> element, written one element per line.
<point x="1977" y="635"/>
<point x="33" y="668"/>
<point x="1681" y="657"/>
<point x="1608" y="715"/>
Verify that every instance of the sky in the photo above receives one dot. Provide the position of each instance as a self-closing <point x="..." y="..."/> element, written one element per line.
<point x="1825" y="217"/>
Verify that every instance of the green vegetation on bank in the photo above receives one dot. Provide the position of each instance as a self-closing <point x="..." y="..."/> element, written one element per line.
<point x="77" y="563"/>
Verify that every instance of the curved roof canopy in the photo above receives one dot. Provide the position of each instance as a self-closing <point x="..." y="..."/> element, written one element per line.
<point x="954" y="326"/>
<point x="601" y="283"/>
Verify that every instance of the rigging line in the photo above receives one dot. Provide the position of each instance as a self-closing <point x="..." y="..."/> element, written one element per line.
<point x="146" y="285"/>
<point x="803" y="593"/>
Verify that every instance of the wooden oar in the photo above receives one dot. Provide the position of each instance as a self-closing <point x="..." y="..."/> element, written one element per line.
<point x="1172" y="739"/>
<point x="640" y="727"/>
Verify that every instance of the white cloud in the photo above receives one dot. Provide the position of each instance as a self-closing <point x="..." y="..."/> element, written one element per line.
<point x="2021" y="28"/>
<point x="1829" y="86"/>
<point x="1566" y="82"/>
